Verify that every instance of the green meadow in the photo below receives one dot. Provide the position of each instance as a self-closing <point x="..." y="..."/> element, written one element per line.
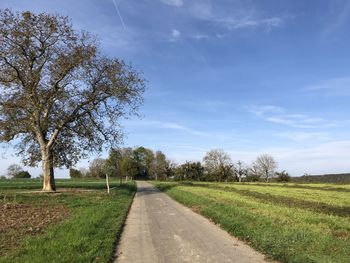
<point x="79" y="223"/>
<point x="287" y="222"/>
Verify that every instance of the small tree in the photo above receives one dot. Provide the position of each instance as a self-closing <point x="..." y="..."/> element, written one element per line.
<point x="240" y="170"/>
<point x="254" y="175"/>
<point x="190" y="171"/>
<point x="97" y="168"/>
<point x="170" y="168"/>
<point x="218" y="163"/>
<point x="84" y="172"/>
<point x="59" y="97"/>
<point x="74" y="173"/>
<point x="129" y="167"/>
<point x="283" y="177"/>
<point x="266" y="165"/>
<point x="13" y="170"/>
<point x="145" y="159"/>
<point x="159" y="171"/>
<point x="23" y="174"/>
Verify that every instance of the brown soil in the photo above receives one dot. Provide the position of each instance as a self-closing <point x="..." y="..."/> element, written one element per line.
<point x="18" y="221"/>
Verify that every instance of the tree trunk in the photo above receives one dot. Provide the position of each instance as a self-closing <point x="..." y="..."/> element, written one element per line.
<point x="48" y="172"/>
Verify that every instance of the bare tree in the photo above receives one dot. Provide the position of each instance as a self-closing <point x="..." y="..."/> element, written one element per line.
<point x="241" y="170"/>
<point x="13" y="170"/>
<point x="97" y="168"/>
<point x="159" y="167"/>
<point x="218" y="163"/>
<point x="266" y="165"/>
<point x="59" y="97"/>
<point x="84" y="172"/>
<point x="253" y="173"/>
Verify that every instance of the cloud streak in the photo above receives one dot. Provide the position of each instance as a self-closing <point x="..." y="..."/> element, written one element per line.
<point x="332" y="85"/>
<point x="239" y="17"/>
<point x="167" y="125"/>
<point x="304" y="136"/>
<point x="176" y="3"/>
<point x="119" y="14"/>
<point x="279" y="115"/>
<point x="339" y="13"/>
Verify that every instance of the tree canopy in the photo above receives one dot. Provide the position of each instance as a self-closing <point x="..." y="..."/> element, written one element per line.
<point x="60" y="98"/>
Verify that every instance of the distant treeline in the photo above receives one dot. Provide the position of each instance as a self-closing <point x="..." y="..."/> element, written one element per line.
<point x="326" y="178"/>
<point x="216" y="165"/>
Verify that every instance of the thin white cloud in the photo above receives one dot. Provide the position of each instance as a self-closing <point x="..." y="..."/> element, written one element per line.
<point x="265" y="109"/>
<point x="297" y="136"/>
<point x="279" y="115"/>
<point x="200" y="36"/>
<point x="175" y="126"/>
<point x="246" y="22"/>
<point x="166" y="125"/>
<point x="339" y="12"/>
<point x="175" y="35"/>
<point x="239" y="18"/>
<point x="177" y="3"/>
<point x="333" y="85"/>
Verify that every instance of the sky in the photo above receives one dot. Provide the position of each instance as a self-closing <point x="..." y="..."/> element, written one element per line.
<point x="249" y="77"/>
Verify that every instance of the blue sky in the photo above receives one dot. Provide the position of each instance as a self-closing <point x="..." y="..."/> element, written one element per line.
<point x="249" y="77"/>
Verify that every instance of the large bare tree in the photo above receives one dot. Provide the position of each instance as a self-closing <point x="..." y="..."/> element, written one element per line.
<point x="59" y="97"/>
<point x="265" y="165"/>
<point x="219" y="164"/>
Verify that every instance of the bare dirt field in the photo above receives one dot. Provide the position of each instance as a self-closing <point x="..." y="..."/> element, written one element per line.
<point x="18" y="221"/>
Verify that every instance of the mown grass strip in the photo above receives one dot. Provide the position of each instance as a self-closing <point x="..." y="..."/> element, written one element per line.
<point x="284" y="234"/>
<point x="288" y="201"/>
<point x="303" y="186"/>
<point x="332" y="198"/>
<point x="88" y="236"/>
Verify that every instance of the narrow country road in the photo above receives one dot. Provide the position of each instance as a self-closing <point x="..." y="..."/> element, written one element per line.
<point x="158" y="229"/>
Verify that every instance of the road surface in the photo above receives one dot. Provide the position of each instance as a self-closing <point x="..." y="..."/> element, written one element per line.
<point x="158" y="229"/>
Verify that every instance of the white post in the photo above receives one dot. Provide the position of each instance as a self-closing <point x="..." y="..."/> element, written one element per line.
<point x="107" y="183"/>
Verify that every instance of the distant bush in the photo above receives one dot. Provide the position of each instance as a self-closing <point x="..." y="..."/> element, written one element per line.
<point x="326" y="178"/>
<point x="74" y="173"/>
<point x="282" y="177"/>
<point x="22" y="174"/>
<point x="252" y="178"/>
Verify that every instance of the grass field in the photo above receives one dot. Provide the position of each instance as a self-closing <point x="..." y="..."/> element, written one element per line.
<point x="28" y="184"/>
<point x="287" y="222"/>
<point x="73" y="225"/>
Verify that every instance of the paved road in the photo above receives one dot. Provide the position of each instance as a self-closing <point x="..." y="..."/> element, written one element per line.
<point x="158" y="229"/>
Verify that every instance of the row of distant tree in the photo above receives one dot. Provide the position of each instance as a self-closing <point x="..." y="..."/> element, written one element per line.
<point x="16" y="171"/>
<point x="217" y="165"/>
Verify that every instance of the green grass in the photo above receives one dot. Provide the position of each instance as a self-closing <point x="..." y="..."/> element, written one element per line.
<point x="31" y="184"/>
<point x="88" y="235"/>
<point x="287" y="222"/>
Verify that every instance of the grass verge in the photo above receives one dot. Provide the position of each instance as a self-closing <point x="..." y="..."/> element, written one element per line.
<point x="89" y="234"/>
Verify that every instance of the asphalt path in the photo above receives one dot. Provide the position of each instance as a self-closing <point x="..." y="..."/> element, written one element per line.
<point x="159" y="229"/>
